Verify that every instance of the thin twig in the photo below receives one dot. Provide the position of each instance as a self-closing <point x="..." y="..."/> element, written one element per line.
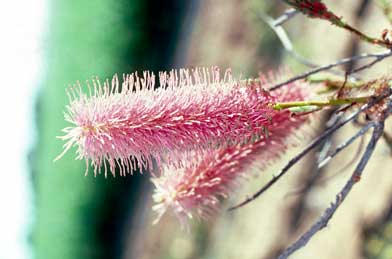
<point x="312" y="145"/>
<point x="347" y="165"/>
<point x="287" y="15"/>
<point x="387" y="138"/>
<point x="334" y="118"/>
<point x="295" y="160"/>
<point x="329" y="157"/>
<point x="355" y="177"/>
<point x="378" y="130"/>
<point x="345" y="144"/>
<point x="375" y="61"/>
<point x="377" y="56"/>
<point x="284" y="39"/>
<point x="323" y="13"/>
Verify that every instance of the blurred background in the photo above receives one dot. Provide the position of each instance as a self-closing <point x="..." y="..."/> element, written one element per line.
<point x="51" y="210"/>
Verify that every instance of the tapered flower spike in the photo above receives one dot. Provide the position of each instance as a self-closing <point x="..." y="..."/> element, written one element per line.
<point x="198" y="188"/>
<point x="131" y="125"/>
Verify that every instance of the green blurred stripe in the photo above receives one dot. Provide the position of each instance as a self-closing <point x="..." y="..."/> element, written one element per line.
<point x="77" y="216"/>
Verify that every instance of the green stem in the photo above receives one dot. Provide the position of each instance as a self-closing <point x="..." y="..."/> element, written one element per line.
<point x="332" y="102"/>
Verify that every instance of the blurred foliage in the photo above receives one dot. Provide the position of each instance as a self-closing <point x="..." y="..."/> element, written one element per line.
<point x="378" y="240"/>
<point x="268" y="38"/>
<point x="386" y="5"/>
<point x="77" y="216"/>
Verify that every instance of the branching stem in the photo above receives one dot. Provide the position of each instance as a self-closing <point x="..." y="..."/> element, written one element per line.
<point x="312" y="145"/>
<point x="341" y="196"/>
<point x="377" y="56"/>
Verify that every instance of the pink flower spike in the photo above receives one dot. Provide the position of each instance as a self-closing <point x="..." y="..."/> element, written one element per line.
<point x="198" y="188"/>
<point x="130" y="125"/>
